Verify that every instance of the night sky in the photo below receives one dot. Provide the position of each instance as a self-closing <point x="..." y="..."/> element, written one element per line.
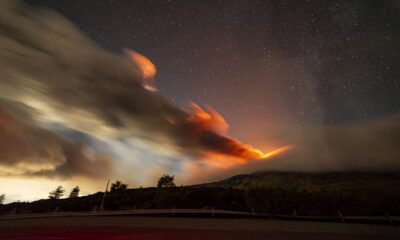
<point x="305" y="86"/>
<point x="295" y="62"/>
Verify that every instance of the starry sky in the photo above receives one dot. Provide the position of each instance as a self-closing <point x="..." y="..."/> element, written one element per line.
<point x="295" y="62"/>
<point x="318" y="79"/>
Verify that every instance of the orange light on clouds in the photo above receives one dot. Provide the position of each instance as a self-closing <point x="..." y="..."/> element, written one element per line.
<point x="276" y="152"/>
<point x="228" y="152"/>
<point x="224" y="161"/>
<point x="208" y="118"/>
<point x="145" y="65"/>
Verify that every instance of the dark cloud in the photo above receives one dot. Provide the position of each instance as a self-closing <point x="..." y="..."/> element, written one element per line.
<point x="59" y="75"/>
<point x="47" y="59"/>
<point x="31" y="150"/>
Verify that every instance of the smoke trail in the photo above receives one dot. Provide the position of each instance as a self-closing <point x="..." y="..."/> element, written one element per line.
<point x="58" y="75"/>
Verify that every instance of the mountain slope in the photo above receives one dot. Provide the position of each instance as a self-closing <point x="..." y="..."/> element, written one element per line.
<point x="299" y="182"/>
<point x="324" y="194"/>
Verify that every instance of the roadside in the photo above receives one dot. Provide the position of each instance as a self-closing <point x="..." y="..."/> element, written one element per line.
<point x="139" y="227"/>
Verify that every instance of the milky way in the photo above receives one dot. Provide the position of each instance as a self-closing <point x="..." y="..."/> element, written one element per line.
<point x="322" y="76"/>
<point x="279" y="61"/>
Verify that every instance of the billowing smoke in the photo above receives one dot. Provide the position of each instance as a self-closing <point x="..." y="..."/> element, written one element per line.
<point x="52" y="73"/>
<point x="369" y="146"/>
<point x="29" y="149"/>
<point x="372" y="146"/>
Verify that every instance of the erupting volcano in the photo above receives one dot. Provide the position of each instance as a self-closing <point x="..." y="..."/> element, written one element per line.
<point x="207" y="128"/>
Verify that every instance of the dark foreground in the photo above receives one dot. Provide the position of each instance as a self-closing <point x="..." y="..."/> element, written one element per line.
<point x="113" y="227"/>
<point x="314" y="195"/>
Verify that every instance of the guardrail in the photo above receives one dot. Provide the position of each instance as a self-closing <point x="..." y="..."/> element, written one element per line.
<point x="210" y="213"/>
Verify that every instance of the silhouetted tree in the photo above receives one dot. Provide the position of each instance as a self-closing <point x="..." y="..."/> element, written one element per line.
<point x="57" y="193"/>
<point x="74" y="192"/>
<point x="118" y="187"/>
<point x="166" y="181"/>
<point x="2" y="197"/>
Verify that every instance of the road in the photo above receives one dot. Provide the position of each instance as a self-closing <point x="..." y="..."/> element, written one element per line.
<point x="140" y="227"/>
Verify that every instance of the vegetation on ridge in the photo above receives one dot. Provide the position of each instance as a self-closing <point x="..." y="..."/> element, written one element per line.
<point x="323" y="194"/>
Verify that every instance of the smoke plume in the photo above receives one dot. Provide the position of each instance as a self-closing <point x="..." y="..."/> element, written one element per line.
<point x="55" y="74"/>
<point x="51" y="73"/>
<point x="372" y="146"/>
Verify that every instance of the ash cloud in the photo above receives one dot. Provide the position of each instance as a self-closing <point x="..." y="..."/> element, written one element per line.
<point x="58" y="75"/>
<point x="30" y="150"/>
<point x="372" y="146"/>
<point x="50" y="65"/>
<point x="51" y="72"/>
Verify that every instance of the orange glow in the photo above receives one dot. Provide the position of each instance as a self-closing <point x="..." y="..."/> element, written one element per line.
<point x="208" y="119"/>
<point x="276" y="151"/>
<point x="146" y="66"/>
<point x="9" y="125"/>
<point x="224" y="151"/>
<point x="223" y="161"/>
<point x="203" y="125"/>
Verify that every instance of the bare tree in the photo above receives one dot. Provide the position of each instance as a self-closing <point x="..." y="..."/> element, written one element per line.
<point x="57" y="193"/>
<point x="74" y="192"/>
<point x="166" y="181"/>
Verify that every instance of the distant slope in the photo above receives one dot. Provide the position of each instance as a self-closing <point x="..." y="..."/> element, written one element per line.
<point x="322" y="194"/>
<point x="298" y="182"/>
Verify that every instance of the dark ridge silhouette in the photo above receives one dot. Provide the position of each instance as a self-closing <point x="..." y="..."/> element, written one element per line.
<point x="327" y="194"/>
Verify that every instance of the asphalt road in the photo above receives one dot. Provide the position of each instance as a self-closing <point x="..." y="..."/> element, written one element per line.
<point x="135" y="227"/>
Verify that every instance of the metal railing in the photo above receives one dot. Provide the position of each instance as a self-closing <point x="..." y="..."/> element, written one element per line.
<point x="210" y="213"/>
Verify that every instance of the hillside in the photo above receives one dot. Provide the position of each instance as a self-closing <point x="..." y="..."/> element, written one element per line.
<point x="299" y="182"/>
<point x="353" y="194"/>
